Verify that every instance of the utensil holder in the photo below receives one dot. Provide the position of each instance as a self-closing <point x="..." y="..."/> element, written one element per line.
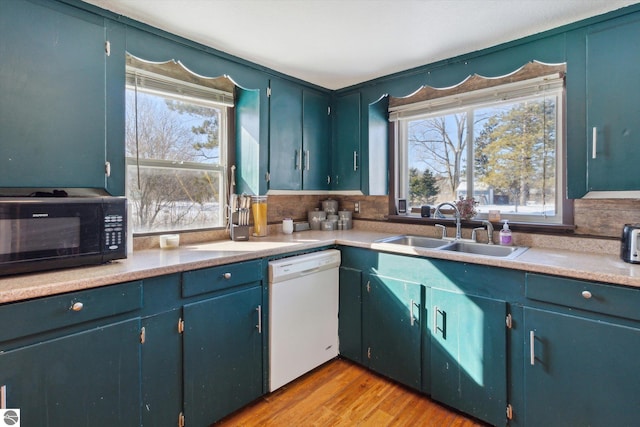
<point x="239" y="232"/>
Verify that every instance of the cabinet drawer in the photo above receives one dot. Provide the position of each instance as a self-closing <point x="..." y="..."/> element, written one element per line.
<point x="601" y="298"/>
<point x="222" y="277"/>
<point x="45" y="314"/>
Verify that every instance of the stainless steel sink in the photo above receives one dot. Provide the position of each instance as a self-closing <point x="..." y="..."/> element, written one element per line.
<point x="472" y="248"/>
<point x="415" y="241"/>
<point x="485" y="250"/>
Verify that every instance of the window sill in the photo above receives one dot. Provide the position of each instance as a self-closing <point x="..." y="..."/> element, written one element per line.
<point x="515" y="226"/>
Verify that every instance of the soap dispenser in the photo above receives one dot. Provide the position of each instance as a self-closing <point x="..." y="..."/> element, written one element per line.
<point x="505" y="234"/>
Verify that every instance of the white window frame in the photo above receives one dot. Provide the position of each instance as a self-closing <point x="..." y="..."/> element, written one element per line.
<point x="552" y="85"/>
<point x="189" y="92"/>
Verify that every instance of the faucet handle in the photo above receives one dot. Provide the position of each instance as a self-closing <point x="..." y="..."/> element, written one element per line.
<point x="474" y="233"/>
<point x="444" y="230"/>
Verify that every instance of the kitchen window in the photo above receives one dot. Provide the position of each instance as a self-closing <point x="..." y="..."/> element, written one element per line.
<point x="176" y="148"/>
<point x="501" y="145"/>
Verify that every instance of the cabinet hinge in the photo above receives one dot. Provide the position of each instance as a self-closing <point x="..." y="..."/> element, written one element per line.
<point x="181" y="420"/>
<point x="328" y="179"/>
<point x="267" y="177"/>
<point x="107" y="169"/>
<point x="143" y="335"/>
<point x="508" y="321"/>
<point x="368" y="285"/>
<point x="269" y="92"/>
<point x="107" y="48"/>
<point x="369" y="353"/>
<point x="509" y="412"/>
<point x="180" y="326"/>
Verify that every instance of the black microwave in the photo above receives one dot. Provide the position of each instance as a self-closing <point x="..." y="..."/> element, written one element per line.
<point x="46" y="233"/>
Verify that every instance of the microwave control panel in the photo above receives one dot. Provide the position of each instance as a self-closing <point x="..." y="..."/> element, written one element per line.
<point x="114" y="231"/>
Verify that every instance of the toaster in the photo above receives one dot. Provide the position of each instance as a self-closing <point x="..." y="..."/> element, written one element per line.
<point x="629" y="250"/>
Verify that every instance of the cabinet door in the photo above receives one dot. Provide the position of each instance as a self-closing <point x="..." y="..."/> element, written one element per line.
<point x="613" y="67"/>
<point x="391" y="328"/>
<point x="468" y="354"/>
<point x="316" y="141"/>
<point x="350" y="314"/>
<point x="346" y="146"/>
<point x="285" y="136"/>
<point x="580" y="372"/>
<point x="162" y="370"/>
<point x="88" y="378"/>
<point x="222" y="355"/>
<point x="52" y="108"/>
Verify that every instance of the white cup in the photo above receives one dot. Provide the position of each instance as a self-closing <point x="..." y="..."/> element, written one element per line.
<point x="169" y="241"/>
<point x="287" y="226"/>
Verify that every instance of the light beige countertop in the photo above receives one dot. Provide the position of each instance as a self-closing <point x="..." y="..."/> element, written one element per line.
<point x="607" y="268"/>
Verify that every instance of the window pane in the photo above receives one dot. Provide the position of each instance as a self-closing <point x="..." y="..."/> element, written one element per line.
<point x="437" y="156"/>
<point x="166" y="199"/>
<point x="167" y="129"/>
<point x="515" y="157"/>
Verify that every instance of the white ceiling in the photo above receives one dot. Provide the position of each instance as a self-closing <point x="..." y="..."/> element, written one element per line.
<point x="337" y="43"/>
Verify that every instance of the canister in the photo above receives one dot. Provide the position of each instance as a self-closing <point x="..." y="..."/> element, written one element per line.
<point x="315" y="218"/>
<point x="259" y="210"/>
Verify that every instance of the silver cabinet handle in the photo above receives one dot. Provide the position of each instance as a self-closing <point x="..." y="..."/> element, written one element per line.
<point x="435" y="319"/>
<point x="3" y="397"/>
<point x="298" y="154"/>
<point x="594" y="142"/>
<point x="532" y="351"/>
<point x="411" y="312"/>
<point x="259" y="325"/>
<point x="355" y="161"/>
<point x="306" y="159"/>
<point x="227" y="275"/>
<point x="77" y="306"/>
<point x="586" y="294"/>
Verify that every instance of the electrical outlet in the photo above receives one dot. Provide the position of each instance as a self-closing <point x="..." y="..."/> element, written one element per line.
<point x="356" y="207"/>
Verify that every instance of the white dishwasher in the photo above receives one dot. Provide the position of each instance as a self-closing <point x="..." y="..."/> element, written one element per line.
<point x="303" y="314"/>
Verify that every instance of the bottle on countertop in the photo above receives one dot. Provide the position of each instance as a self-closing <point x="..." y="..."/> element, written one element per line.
<point x="505" y="234"/>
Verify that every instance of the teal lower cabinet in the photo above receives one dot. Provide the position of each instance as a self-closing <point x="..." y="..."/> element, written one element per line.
<point x="581" y="353"/>
<point x="468" y="354"/>
<point x="580" y="371"/>
<point x="222" y="354"/>
<point x="350" y="314"/>
<point x="89" y="378"/>
<point x="162" y="369"/>
<point x="392" y="328"/>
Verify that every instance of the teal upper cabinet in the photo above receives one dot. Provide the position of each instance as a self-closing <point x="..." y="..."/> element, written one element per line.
<point x="346" y="145"/>
<point x="603" y="127"/>
<point x="613" y="128"/>
<point x="316" y="140"/>
<point x="55" y="122"/>
<point x="298" y="137"/>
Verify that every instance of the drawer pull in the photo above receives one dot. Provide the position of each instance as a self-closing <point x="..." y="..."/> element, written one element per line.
<point x="77" y="306"/>
<point x="586" y="294"/>
<point x="227" y="275"/>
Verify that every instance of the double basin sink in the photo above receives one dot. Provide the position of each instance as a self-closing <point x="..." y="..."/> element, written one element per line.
<point x="461" y="246"/>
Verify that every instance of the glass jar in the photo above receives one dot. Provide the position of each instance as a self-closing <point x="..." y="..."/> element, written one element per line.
<point x="259" y="210"/>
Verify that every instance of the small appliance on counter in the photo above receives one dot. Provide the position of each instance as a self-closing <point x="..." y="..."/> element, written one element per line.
<point x="52" y="231"/>
<point x="629" y="249"/>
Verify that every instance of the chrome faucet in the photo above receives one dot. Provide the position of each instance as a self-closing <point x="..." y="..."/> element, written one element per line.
<point x="489" y="230"/>
<point x="437" y="214"/>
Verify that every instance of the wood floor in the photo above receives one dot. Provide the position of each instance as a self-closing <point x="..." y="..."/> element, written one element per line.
<point x="341" y="393"/>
